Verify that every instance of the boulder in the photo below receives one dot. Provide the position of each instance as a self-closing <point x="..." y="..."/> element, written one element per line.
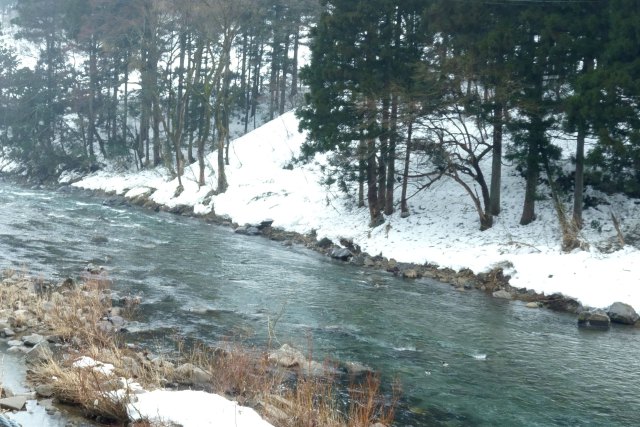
<point x="15" y="403"/>
<point x="594" y="319"/>
<point x="287" y="357"/>
<point x="358" y="260"/>
<point x="533" y="304"/>
<point x="191" y="374"/>
<point x="265" y="224"/>
<point x="410" y="274"/>
<point x="325" y="243"/>
<point x="559" y="302"/>
<point x="45" y="390"/>
<point x="132" y="367"/>
<point x="99" y="239"/>
<point x="342" y="254"/>
<point x="620" y="312"/>
<point x="33" y="340"/>
<point x="247" y="230"/>
<point x="502" y="294"/>
<point x="40" y="353"/>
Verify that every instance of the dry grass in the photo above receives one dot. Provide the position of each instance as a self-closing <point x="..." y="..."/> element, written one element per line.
<point x="317" y="402"/>
<point x="236" y="371"/>
<point x="95" y="392"/>
<point x="286" y="398"/>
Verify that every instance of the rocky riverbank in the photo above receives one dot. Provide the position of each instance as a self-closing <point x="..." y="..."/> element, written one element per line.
<point x="73" y="337"/>
<point x="494" y="282"/>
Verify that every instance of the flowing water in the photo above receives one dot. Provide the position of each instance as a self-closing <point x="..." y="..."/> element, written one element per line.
<point x="461" y="358"/>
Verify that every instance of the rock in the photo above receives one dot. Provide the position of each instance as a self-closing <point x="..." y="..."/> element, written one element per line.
<point x="532" y="305"/>
<point x="265" y="224"/>
<point x="94" y="269"/>
<point x="33" y="340"/>
<point x="191" y="374"/>
<point x="247" y="230"/>
<point x="595" y="319"/>
<point x="274" y="413"/>
<point x="358" y="260"/>
<point x="342" y="254"/>
<point x="410" y="274"/>
<point x="131" y="366"/>
<point x="502" y="294"/>
<point x="620" y="312"/>
<point x="15" y="403"/>
<point x="325" y="243"/>
<point x="99" y="239"/>
<point x="117" y="321"/>
<point x="559" y="302"/>
<point x="40" y="353"/>
<point x="8" y="332"/>
<point x="14" y="343"/>
<point x="44" y="390"/>
<point x="287" y="357"/>
<point x="48" y="306"/>
<point x="356" y="368"/>
<point x="19" y="318"/>
<point x="368" y="261"/>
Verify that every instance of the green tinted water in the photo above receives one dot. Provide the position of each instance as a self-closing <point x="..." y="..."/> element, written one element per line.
<point x="507" y="365"/>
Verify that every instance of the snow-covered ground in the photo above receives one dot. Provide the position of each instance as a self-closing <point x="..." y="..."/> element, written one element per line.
<point x="442" y="228"/>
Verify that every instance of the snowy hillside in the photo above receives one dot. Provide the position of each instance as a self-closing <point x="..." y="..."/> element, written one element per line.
<point x="443" y="226"/>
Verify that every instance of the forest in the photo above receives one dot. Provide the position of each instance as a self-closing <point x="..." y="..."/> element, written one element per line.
<point x="399" y="94"/>
<point x="149" y="80"/>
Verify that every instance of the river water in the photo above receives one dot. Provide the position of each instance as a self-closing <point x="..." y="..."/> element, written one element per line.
<point x="506" y="365"/>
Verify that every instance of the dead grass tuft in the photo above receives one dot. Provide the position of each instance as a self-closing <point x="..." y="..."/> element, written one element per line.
<point x="96" y="393"/>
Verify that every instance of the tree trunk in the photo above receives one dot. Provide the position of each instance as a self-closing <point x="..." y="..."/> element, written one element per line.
<point x="391" y="157"/>
<point x="404" y="208"/>
<point x="384" y="154"/>
<point x="125" y="113"/>
<point x="578" y="191"/>
<point x="532" y="173"/>
<point x="283" y="82"/>
<point x="294" y="63"/>
<point x="275" y="71"/>
<point x="93" y="70"/>
<point x="496" y="162"/>
<point x="362" y="171"/>
<point x="372" y="184"/>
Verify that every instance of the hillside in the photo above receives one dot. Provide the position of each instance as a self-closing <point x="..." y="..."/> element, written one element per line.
<point x="441" y="229"/>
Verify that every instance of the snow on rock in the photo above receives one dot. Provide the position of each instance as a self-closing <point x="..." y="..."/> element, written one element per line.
<point x="193" y="409"/>
<point x="88" y="362"/>
<point x="442" y="229"/>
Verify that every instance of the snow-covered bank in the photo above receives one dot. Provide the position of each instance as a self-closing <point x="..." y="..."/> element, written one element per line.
<point x="442" y="229"/>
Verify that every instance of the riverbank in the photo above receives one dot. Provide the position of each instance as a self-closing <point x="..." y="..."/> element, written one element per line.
<point x="440" y="239"/>
<point x="74" y="340"/>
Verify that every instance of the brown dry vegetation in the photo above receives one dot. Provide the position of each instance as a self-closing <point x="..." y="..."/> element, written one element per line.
<point x="73" y="316"/>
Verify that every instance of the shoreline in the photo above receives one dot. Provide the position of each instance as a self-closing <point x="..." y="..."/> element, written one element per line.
<point x="489" y="282"/>
<point x="494" y="282"/>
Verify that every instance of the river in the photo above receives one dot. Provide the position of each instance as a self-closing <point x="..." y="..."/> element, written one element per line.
<point x="506" y="365"/>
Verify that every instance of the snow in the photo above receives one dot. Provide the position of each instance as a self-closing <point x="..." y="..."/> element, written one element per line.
<point x="442" y="229"/>
<point x="185" y="408"/>
<point x="88" y="362"/>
